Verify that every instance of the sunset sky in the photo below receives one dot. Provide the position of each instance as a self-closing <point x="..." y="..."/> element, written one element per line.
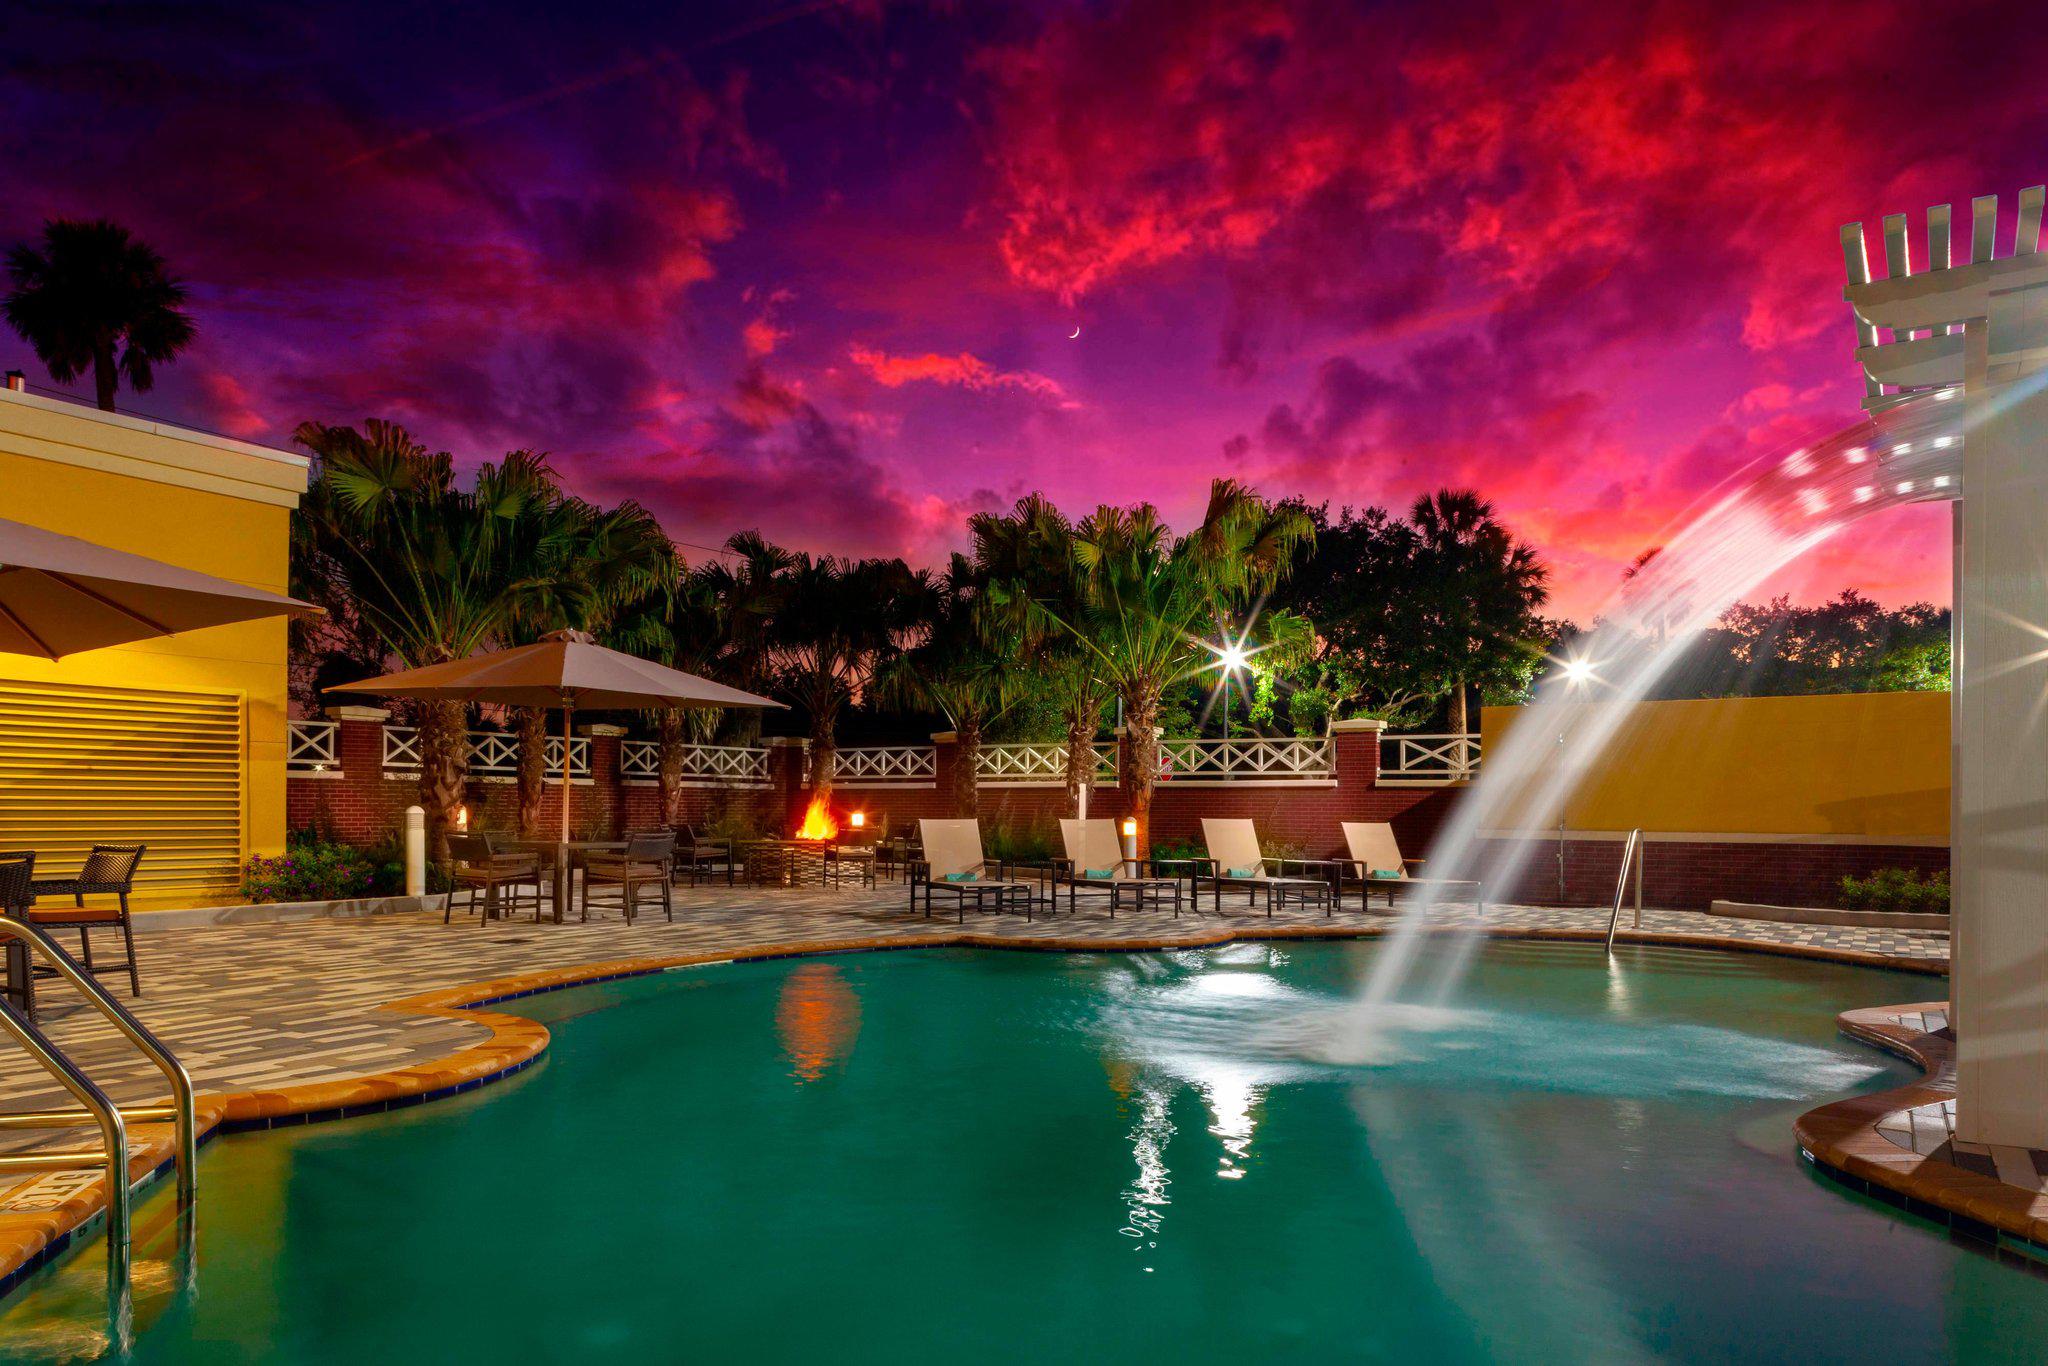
<point x="816" y="268"/>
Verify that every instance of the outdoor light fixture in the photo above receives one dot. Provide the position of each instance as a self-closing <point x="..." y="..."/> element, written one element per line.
<point x="1130" y="826"/>
<point x="462" y="819"/>
<point x="1231" y="657"/>
<point x="857" y="819"/>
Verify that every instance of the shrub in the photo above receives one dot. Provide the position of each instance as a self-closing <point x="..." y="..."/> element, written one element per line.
<point x="312" y="868"/>
<point x="1017" y="843"/>
<point x="1897" y="889"/>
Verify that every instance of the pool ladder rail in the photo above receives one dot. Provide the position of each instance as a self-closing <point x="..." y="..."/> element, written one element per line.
<point x="1631" y="861"/>
<point x="111" y="1156"/>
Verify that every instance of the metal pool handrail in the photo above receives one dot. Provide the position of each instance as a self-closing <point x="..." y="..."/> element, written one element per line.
<point x="1631" y="858"/>
<point x="97" y="1108"/>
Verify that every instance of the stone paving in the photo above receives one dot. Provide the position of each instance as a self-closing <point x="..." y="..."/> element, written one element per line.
<point x="254" y="1007"/>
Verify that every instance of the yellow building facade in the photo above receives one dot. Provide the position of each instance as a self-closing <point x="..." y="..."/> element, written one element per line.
<point x="178" y="742"/>
<point x="1851" y="768"/>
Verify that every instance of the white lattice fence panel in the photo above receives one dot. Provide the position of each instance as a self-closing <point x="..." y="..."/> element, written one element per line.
<point x="1429" y="758"/>
<point x="884" y="764"/>
<point x="493" y="754"/>
<point x="401" y="747"/>
<point x="579" y="756"/>
<point x="640" y="760"/>
<point x="1252" y="757"/>
<point x="1034" y="763"/>
<point x="310" y="746"/>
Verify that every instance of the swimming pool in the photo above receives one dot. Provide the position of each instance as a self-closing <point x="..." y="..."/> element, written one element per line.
<point x="1004" y="1156"/>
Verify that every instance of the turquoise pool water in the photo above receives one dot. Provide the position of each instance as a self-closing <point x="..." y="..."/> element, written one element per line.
<point x="1194" y="1156"/>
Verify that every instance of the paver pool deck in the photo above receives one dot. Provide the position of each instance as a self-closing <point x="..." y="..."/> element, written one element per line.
<point x="279" y="1023"/>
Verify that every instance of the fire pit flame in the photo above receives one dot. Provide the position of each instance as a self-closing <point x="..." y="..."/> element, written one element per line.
<point x="818" y="823"/>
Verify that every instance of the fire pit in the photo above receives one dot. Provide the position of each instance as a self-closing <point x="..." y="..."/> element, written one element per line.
<point x="810" y="854"/>
<point x="786" y="863"/>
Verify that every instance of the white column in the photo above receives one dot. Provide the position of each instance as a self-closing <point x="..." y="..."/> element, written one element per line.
<point x="1999" y="846"/>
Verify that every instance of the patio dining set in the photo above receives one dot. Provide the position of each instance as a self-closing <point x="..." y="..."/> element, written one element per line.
<point x="107" y="871"/>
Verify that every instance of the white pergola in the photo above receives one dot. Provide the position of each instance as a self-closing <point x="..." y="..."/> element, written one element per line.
<point x="1958" y="349"/>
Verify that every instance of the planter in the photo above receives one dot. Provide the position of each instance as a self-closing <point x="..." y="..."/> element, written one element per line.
<point x="1814" y="915"/>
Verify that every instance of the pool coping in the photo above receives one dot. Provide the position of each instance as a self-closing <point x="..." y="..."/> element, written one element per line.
<point x="32" y="1239"/>
<point x="1842" y="1141"/>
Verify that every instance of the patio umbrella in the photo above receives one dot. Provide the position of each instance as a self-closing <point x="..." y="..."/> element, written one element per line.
<point x="567" y="669"/>
<point x="60" y="595"/>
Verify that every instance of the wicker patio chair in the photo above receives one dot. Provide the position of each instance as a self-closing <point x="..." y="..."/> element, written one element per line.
<point x="109" y="870"/>
<point x="644" y="862"/>
<point x="17" y="867"/>
<point x="479" y="867"/>
<point x="699" y="853"/>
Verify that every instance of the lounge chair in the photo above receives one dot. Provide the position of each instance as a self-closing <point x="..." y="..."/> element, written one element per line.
<point x="1095" y="863"/>
<point x="1376" y="865"/>
<point x="953" y="864"/>
<point x="1235" y="863"/>
<point x="109" y="870"/>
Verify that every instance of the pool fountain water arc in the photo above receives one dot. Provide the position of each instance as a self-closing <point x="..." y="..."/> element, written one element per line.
<point x="1752" y="526"/>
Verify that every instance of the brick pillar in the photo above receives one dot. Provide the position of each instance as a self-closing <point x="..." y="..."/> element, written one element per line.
<point x="358" y="806"/>
<point x="1357" y="762"/>
<point x="945" y="770"/>
<point x="359" y="740"/>
<point x="605" y="793"/>
<point x="788" y="795"/>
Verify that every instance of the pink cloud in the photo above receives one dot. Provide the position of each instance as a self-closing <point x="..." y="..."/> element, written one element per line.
<point x="963" y="371"/>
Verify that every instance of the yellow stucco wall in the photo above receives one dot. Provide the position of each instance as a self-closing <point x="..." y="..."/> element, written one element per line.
<point x="1860" y="766"/>
<point x="202" y="502"/>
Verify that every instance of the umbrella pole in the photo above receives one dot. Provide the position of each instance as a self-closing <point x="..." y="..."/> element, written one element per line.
<point x="568" y="711"/>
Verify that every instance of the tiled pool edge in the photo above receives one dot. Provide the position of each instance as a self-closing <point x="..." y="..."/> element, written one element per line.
<point x="1842" y="1141"/>
<point x="31" y="1240"/>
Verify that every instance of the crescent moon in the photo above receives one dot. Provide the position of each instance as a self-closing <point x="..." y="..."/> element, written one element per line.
<point x="1075" y="333"/>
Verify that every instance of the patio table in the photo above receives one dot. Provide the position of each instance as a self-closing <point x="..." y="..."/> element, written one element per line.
<point x="562" y="855"/>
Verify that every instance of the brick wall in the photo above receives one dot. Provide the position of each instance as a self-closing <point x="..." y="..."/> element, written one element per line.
<point x="363" y="803"/>
<point x="1688" y="874"/>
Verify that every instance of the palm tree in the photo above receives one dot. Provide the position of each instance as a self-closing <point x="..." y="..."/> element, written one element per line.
<point x="688" y="628"/>
<point x="607" y="571"/>
<point x="1027" y="556"/>
<point x="965" y="668"/>
<point x="837" y="622"/>
<point x="1146" y="601"/>
<point x="1479" y="590"/>
<point x="433" y="570"/>
<point x="749" y="583"/>
<point x="90" y="296"/>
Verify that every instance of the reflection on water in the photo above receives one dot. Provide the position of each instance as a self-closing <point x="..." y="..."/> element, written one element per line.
<point x="1145" y="1199"/>
<point x="817" y="1015"/>
<point x="1233" y="1097"/>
